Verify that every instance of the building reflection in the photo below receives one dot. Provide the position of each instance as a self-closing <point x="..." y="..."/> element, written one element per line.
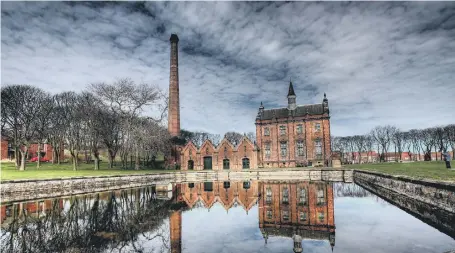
<point x="298" y="210"/>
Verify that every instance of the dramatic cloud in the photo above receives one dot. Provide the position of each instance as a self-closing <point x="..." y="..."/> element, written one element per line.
<point x="378" y="62"/>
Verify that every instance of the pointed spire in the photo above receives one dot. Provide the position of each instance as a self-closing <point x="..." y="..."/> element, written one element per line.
<point x="325" y="98"/>
<point x="291" y="89"/>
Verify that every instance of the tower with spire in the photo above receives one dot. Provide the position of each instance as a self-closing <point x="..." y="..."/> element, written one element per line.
<point x="291" y="97"/>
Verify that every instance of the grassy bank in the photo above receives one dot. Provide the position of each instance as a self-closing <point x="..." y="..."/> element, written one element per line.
<point x="421" y="170"/>
<point x="48" y="170"/>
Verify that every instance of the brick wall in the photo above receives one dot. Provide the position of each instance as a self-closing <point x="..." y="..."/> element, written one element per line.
<point x="244" y="150"/>
<point x="4" y="151"/>
<point x="308" y="136"/>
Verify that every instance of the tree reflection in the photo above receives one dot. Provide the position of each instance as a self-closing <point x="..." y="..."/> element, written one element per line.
<point x="99" y="222"/>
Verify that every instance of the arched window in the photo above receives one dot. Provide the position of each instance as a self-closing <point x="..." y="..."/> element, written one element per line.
<point x="225" y="152"/>
<point x="302" y="197"/>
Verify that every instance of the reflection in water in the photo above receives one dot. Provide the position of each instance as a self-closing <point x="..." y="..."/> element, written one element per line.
<point x="150" y="219"/>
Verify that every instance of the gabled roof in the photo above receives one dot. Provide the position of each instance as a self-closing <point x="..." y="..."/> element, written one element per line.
<point x="224" y="140"/>
<point x="244" y="138"/>
<point x="207" y="142"/>
<point x="188" y="145"/>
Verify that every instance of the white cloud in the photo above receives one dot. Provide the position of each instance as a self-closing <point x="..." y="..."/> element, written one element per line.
<point x="379" y="63"/>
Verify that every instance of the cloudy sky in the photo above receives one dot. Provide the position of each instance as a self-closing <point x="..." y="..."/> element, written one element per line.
<point x="378" y="62"/>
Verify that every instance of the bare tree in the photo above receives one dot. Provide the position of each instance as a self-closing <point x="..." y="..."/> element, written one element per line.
<point x="449" y="132"/>
<point x="19" y="103"/>
<point x="215" y="139"/>
<point x="369" y="143"/>
<point x="360" y="143"/>
<point x="233" y="137"/>
<point x="92" y="111"/>
<point x="43" y="121"/>
<point x="127" y="101"/>
<point x="427" y="142"/>
<point x="382" y="136"/>
<point x="70" y="103"/>
<point x="399" y="142"/>
<point x="251" y="136"/>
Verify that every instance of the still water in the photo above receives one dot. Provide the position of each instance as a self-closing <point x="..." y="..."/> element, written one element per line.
<point x="250" y="216"/>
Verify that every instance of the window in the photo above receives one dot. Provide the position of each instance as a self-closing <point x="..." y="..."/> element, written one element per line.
<point x="318" y="148"/>
<point x="208" y="186"/>
<point x="190" y="164"/>
<point x="299" y="129"/>
<point x="320" y="197"/>
<point x="317" y="127"/>
<point x="284" y="149"/>
<point x="268" y="195"/>
<point x="206" y="150"/>
<point x="225" y="164"/>
<point x="191" y="185"/>
<point x="269" y="214"/>
<point x="245" y="163"/>
<point x="246" y="185"/>
<point x="226" y="184"/>
<point x="302" y="197"/>
<point x="282" y="130"/>
<point x="285" y="199"/>
<point x="266" y="131"/>
<point x="267" y="150"/>
<point x="321" y="216"/>
<point x="244" y="149"/>
<point x="225" y="152"/>
<point x="285" y="215"/>
<point x="303" y="216"/>
<point x="300" y="150"/>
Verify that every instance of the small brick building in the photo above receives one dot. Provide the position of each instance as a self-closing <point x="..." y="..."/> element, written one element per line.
<point x="7" y="151"/>
<point x="225" y="156"/>
<point x="293" y="136"/>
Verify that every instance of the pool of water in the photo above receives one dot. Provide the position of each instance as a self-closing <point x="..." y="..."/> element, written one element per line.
<point x="241" y="216"/>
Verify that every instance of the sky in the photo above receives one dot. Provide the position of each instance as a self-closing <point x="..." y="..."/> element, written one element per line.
<point x="379" y="62"/>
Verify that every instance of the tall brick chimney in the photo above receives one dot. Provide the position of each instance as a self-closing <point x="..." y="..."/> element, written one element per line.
<point x="174" y="103"/>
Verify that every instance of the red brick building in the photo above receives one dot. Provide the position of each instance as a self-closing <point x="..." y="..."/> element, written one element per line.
<point x="7" y="151"/>
<point x="296" y="135"/>
<point x="225" y="156"/>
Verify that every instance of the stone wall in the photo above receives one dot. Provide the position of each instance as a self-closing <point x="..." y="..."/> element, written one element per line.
<point x="37" y="189"/>
<point x="430" y="201"/>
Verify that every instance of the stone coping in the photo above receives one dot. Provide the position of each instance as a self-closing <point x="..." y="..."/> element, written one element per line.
<point x="173" y="172"/>
<point x="447" y="185"/>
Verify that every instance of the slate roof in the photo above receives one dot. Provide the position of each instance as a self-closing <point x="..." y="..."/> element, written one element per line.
<point x="291" y="90"/>
<point x="289" y="232"/>
<point x="301" y="110"/>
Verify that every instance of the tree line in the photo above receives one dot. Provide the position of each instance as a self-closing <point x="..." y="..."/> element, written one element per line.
<point x="385" y="139"/>
<point x="102" y="116"/>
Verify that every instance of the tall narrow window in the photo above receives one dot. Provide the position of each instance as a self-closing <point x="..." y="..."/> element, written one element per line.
<point x="269" y="214"/>
<point x="225" y="164"/>
<point x="284" y="149"/>
<point x="300" y="149"/>
<point x="266" y="131"/>
<point x="268" y="195"/>
<point x="317" y="127"/>
<point x="226" y="184"/>
<point x="225" y="152"/>
<point x="285" y="199"/>
<point x="303" y="216"/>
<point x="282" y="130"/>
<point x="267" y="150"/>
<point x="285" y="215"/>
<point x="318" y="148"/>
<point x="302" y="197"/>
<point x="299" y="129"/>
<point x="321" y="216"/>
<point x="320" y="197"/>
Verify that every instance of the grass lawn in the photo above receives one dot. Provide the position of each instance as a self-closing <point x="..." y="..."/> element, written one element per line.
<point x="49" y="170"/>
<point x="421" y="170"/>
